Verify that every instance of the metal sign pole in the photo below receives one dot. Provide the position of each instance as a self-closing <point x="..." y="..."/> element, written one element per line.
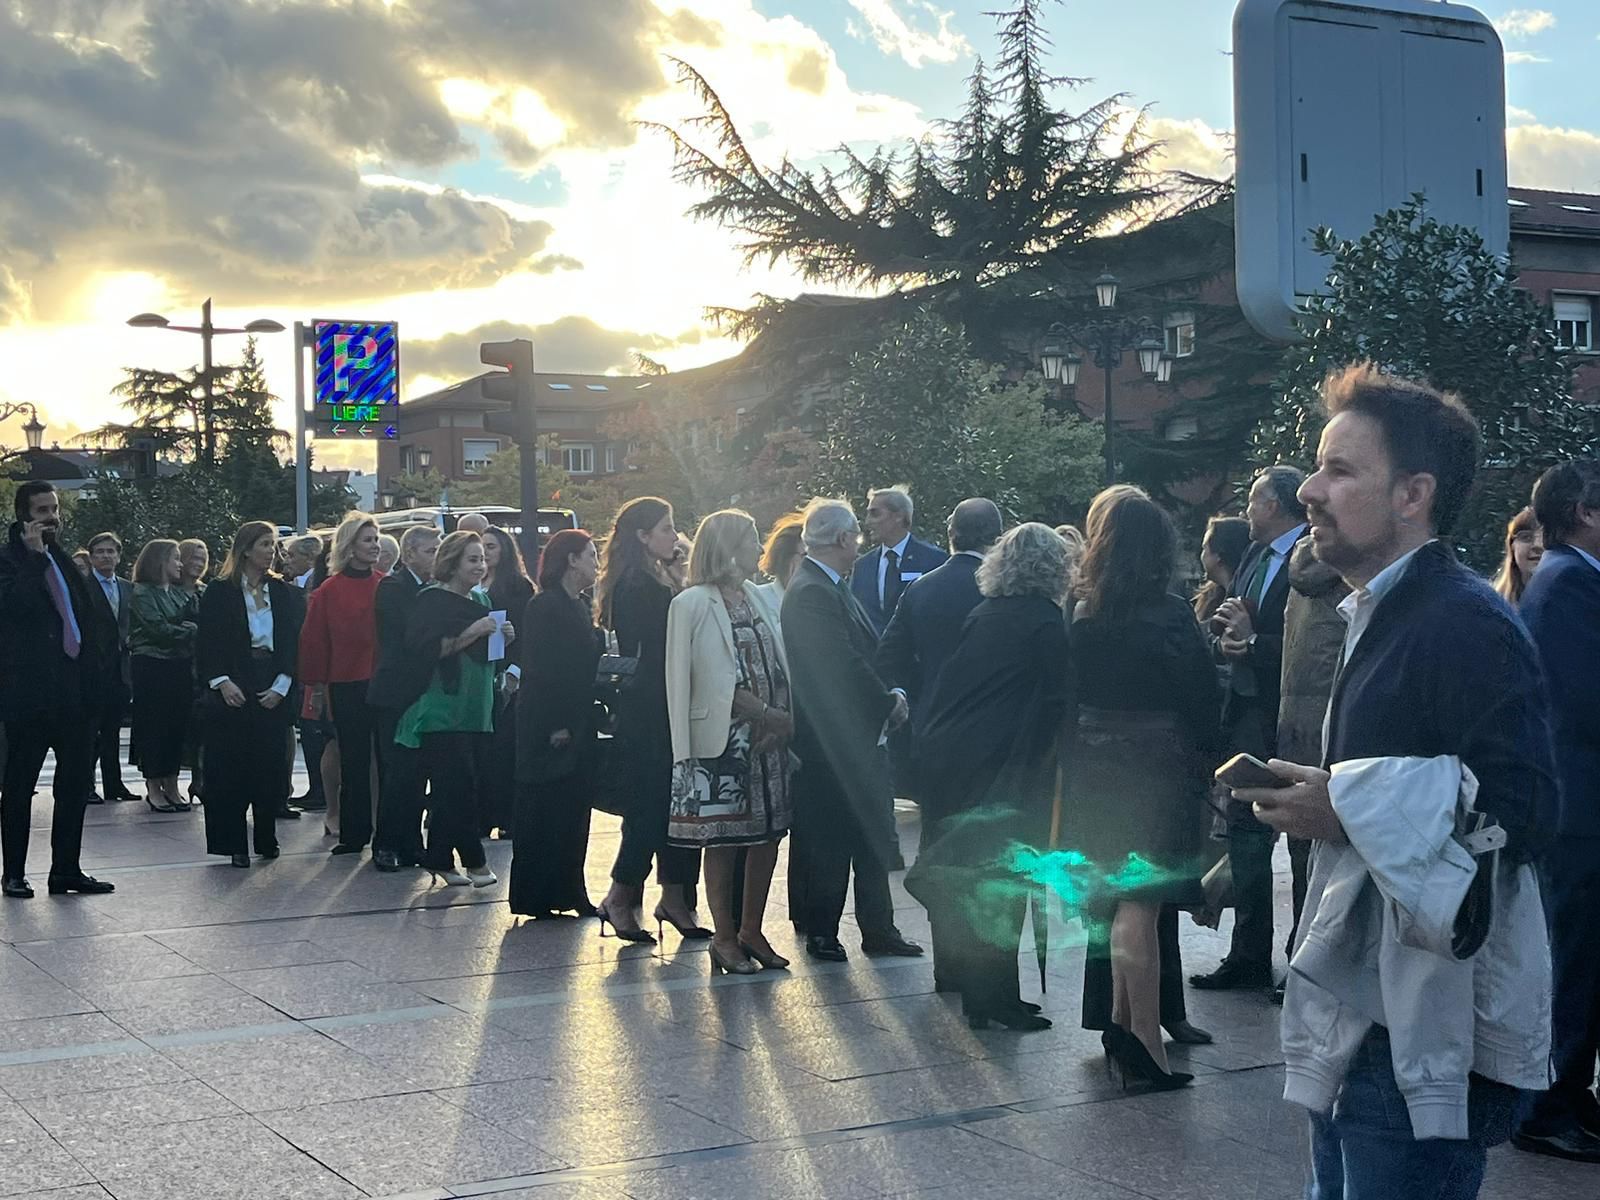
<point x="302" y="469"/>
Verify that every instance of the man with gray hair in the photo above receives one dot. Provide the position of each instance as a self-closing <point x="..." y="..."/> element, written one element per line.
<point x="898" y="559"/>
<point x="841" y="707"/>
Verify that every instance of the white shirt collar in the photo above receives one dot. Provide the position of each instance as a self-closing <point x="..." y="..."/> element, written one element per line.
<point x="900" y="547"/>
<point x="105" y="580"/>
<point x="826" y="569"/>
<point x="1364" y="600"/>
<point x="420" y="581"/>
<point x="1284" y="542"/>
<point x="977" y="554"/>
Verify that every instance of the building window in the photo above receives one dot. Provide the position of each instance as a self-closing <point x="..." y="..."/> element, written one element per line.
<point x="408" y="459"/>
<point x="1574" y="321"/>
<point x="1180" y="334"/>
<point x="578" y="460"/>
<point x="611" y="460"/>
<point x="476" y="453"/>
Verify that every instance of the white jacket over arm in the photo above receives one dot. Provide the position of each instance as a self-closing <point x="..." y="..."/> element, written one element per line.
<point x="703" y="668"/>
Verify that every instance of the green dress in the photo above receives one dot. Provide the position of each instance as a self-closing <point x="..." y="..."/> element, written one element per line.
<point x="468" y="709"/>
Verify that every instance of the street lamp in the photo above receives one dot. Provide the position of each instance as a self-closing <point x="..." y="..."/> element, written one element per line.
<point x="1105" y="340"/>
<point x="424" y="457"/>
<point x="32" y="428"/>
<point x="207" y="331"/>
<point x="388" y="499"/>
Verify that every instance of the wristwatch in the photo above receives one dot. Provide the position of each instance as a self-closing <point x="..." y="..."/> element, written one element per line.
<point x="1250" y="641"/>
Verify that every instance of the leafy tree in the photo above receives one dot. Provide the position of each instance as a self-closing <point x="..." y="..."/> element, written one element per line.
<point x="423" y="487"/>
<point x="918" y="409"/>
<point x="1429" y="301"/>
<point x="501" y="482"/>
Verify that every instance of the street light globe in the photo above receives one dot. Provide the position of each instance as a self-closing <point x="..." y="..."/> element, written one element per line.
<point x="1069" y="370"/>
<point x="1052" y="355"/>
<point x="33" y="430"/>
<point x="149" y="321"/>
<point x="264" y="326"/>
<point x="1150" y="357"/>
<point x="1105" y="290"/>
<point x="1164" y="369"/>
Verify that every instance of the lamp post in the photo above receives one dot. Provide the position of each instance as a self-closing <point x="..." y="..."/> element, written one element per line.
<point x="206" y="330"/>
<point x="1104" y="339"/>
<point x="32" y="428"/>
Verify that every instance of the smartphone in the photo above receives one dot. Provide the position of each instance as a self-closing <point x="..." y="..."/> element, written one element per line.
<point x="1248" y="771"/>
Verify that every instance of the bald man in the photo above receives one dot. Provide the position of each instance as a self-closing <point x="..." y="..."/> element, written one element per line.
<point x="473" y="522"/>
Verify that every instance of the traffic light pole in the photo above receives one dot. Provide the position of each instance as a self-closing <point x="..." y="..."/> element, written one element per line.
<point x="515" y="387"/>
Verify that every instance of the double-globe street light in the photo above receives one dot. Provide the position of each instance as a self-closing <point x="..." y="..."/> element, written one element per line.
<point x="1104" y="340"/>
<point x="207" y="331"/>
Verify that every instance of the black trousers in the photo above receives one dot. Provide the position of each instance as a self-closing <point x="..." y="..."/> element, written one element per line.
<point x="834" y="839"/>
<point x="1300" y="879"/>
<point x="402" y="792"/>
<point x="981" y="962"/>
<point x="1569" y="877"/>
<point x="245" y="770"/>
<point x="108" y="741"/>
<point x="357" y="723"/>
<point x="313" y="740"/>
<point x="450" y="759"/>
<point x="28" y="740"/>
<point x="1097" y="988"/>
<point x="1250" y="857"/>
<point x="551" y="839"/>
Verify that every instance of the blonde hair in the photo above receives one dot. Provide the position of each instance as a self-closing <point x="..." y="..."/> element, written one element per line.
<point x="1030" y="560"/>
<point x="712" y="559"/>
<point x="783" y="546"/>
<point x="148" y="567"/>
<point x="451" y="551"/>
<point x="344" y="539"/>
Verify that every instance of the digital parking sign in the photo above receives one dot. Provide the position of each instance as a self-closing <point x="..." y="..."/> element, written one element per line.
<point x="357" y="379"/>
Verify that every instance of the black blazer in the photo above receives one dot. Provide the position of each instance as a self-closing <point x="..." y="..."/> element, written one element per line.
<point x="35" y="673"/>
<point x="921" y="558"/>
<point x="840" y="701"/>
<point x="924" y="631"/>
<point x="558" y="648"/>
<point x="222" y="643"/>
<point x="1255" y="682"/>
<point x="639" y="619"/>
<point x="399" y="677"/>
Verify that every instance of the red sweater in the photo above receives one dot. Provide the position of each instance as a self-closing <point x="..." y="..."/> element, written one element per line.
<point x="339" y="640"/>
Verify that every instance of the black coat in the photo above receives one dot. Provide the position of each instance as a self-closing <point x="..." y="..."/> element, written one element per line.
<point x="840" y="700"/>
<point x="36" y="676"/>
<point x="399" y="677"/>
<point x="925" y="628"/>
<point x="558" y="648"/>
<point x="222" y="642"/>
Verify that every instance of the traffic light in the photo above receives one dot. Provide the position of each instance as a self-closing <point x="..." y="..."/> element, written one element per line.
<point x="514" y="386"/>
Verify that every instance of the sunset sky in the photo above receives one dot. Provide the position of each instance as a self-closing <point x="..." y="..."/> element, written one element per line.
<point x="457" y="164"/>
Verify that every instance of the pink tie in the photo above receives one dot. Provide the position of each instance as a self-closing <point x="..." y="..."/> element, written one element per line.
<point x="58" y="597"/>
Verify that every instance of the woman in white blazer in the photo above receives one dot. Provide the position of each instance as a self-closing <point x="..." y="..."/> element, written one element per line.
<point x="728" y="708"/>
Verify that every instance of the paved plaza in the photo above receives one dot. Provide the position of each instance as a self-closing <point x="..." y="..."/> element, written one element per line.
<point x="308" y="1030"/>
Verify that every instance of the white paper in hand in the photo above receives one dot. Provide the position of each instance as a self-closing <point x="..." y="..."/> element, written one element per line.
<point x="497" y="640"/>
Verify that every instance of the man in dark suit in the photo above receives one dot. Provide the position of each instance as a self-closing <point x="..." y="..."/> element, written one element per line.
<point x="1249" y="625"/>
<point x="1561" y="609"/>
<point x="397" y="680"/>
<point x="58" y="658"/>
<point x="841" y="710"/>
<point x="116" y="595"/>
<point x="899" y="559"/>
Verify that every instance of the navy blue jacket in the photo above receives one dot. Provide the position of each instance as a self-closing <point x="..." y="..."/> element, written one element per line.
<point x="1561" y="609"/>
<point x="1445" y="667"/>
<point x="926" y="627"/>
<point x="921" y="557"/>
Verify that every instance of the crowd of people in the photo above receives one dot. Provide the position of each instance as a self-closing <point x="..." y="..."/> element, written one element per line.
<point x="1429" y="743"/>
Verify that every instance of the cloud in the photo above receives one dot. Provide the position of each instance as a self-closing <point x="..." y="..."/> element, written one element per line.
<point x="1524" y="56"/>
<point x="1519" y="116"/>
<point x="575" y="344"/>
<point x="893" y="33"/>
<point x="1543" y="156"/>
<point x="16" y="297"/>
<point x="549" y="264"/>
<point x="1525" y="22"/>
<point x="1185" y="145"/>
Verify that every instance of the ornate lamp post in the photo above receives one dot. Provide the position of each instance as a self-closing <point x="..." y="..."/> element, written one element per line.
<point x="32" y="428"/>
<point x="1104" y="340"/>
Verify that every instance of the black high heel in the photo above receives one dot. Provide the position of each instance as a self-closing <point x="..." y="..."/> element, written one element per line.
<point x="154" y="807"/>
<point x="769" y="958"/>
<point x="742" y="966"/>
<point x="1018" y="1020"/>
<point x="641" y="936"/>
<point x="688" y="932"/>
<point x="1129" y="1061"/>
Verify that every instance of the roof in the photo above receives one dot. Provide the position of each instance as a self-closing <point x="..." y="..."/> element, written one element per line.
<point x="555" y="390"/>
<point x="1566" y="214"/>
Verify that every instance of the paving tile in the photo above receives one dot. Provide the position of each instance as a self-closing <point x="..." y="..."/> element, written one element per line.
<point x="771" y="1175"/>
<point x="226" y="959"/>
<point x="401" y="1143"/>
<point x="47" y="1033"/>
<point x="275" y="1072"/>
<point x="88" y="1191"/>
<point x="82" y="1117"/>
<point x="449" y="1051"/>
<point x="115" y="995"/>
<point x="97" y="1073"/>
<point x="325" y="990"/>
<point x="31" y="1160"/>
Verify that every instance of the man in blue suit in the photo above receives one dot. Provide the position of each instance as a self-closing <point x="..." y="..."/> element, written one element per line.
<point x="881" y="575"/>
<point x="1562" y="611"/>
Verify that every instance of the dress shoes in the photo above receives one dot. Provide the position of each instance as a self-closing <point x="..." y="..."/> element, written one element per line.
<point x="1233" y="977"/>
<point x="386" y="860"/>
<point x="273" y="853"/>
<point x="123" y="796"/>
<point x="60" y="885"/>
<point x="307" y="804"/>
<point x="17" y="889"/>
<point x="94" y="798"/>
<point x="1574" y="1145"/>
<point x="347" y="848"/>
<point x="241" y="860"/>
<point x="1186" y="1034"/>
<point x="890" y="943"/>
<point x="285" y="813"/>
<point x="826" y="949"/>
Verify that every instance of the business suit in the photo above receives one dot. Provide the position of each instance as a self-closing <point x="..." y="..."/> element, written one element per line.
<point x="1250" y="725"/>
<point x="842" y="787"/>
<point x="49" y="698"/>
<point x="398" y="678"/>
<point x="108" y="729"/>
<point x="920" y="558"/>
<point x="1561" y="609"/>
<point x="926" y="627"/>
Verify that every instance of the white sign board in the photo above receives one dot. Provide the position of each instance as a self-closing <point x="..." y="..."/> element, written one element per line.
<point x="1342" y="110"/>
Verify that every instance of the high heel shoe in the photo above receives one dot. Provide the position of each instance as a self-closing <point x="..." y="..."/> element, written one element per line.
<point x="154" y="807"/>
<point x="1018" y="1020"/>
<point x="643" y="936"/>
<point x="1129" y="1060"/>
<point x="688" y="932"/>
<point x="769" y="958"/>
<point x="742" y="966"/>
<point x="451" y="877"/>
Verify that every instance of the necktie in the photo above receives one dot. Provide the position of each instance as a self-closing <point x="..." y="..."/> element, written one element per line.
<point x="58" y="596"/>
<point x="1258" y="578"/>
<point x="891" y="583"/>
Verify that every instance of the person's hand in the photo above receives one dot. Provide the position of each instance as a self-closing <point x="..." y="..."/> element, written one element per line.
<point x="1233" y="647"/>
<point x="509" y="630"/>
<point x="1303" y="809"/>
<point x="560" y="739"/>
<point x="269" y="699"/>
<point x="509" y="683"/>
<point x="778" y="725"/>
<point x="900" y="712"/>
<point x="1240" y="624"/>
<point x="747" y="706"/>
<point x="481" y="628"/>
<point x="316" y="701"/>
<point x="231" y="695"/>
<point x="33" y="536"/>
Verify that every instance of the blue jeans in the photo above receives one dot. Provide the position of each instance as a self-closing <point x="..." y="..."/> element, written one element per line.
<point x="1365" y="1150"/>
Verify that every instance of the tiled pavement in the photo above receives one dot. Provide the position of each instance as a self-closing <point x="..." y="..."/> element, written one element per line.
<point x="312" y="1029"/>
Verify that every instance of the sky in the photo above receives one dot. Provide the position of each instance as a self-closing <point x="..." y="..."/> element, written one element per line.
<point x="478" y="168"/>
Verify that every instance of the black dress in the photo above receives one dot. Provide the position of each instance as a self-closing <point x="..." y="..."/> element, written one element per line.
<point x="987" y="753"/>
<point x="497" y="770"/>
<point x="559" y="649"/>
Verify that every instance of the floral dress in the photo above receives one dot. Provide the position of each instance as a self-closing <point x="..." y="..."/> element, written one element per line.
<point x="740" y="798"/>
